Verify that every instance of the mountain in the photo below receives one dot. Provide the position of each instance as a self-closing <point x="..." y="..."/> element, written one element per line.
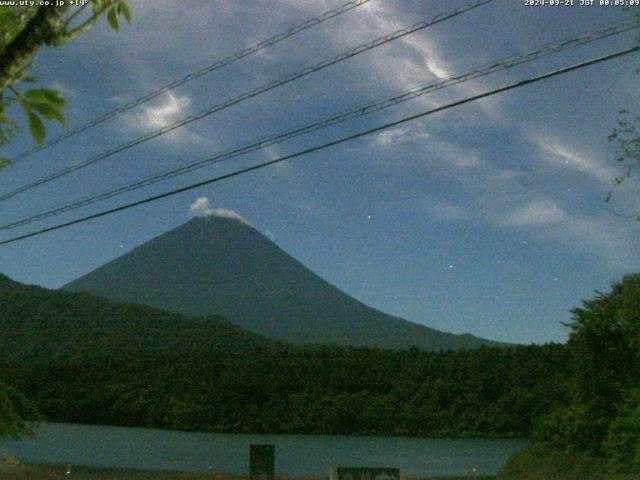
<point x="41" y="324"/>
<point x="6" y="282"/>
<point x="221" y="265"/>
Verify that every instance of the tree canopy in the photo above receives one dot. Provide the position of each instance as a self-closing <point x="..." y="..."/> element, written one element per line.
<point x="597" y="433"/>
<point x="26" y="29"/>
<point x="17" y="414"/>
<point x="625" y="139"/>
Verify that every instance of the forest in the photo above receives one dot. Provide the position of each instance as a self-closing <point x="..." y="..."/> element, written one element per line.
<point x="579" y="402"/>
<point x="485" y="392"/>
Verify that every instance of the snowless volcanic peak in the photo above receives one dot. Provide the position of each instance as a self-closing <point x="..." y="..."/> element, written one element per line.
<point x="217" y="263"/>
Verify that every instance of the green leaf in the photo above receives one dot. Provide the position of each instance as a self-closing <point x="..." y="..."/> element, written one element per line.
<point x="49" y="112"/>
<point x="46" y="95"/>
<point x="112" y="18"/>
<point x="25" y="105"/>
<point x="36" y="127"/>
<point x="5" y="120"/>
<point x="126" y="11"/>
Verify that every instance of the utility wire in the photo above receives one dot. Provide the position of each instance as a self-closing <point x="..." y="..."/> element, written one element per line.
<point x="245" y="96"/>
<point x="486" y="69"/>
<point x="312" y="22"/>
<point x="339" y="141"/>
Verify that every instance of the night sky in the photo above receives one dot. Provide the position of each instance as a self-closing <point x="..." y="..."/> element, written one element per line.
<point x="488" y="218"/>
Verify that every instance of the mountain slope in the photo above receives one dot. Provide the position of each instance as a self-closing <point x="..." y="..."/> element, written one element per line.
<point x="218" y="265"/>
<point x="36" y="323"/>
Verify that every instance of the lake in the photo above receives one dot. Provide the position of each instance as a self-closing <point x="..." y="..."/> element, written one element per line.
<point x="296" y="455"/>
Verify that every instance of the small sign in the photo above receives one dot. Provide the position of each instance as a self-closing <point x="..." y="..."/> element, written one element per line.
<point x="366" y="473"/>
<point x="262" y="462"/>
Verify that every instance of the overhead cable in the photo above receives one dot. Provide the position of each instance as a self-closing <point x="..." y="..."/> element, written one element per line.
<point x="339" y="141"/>
<point x="486" y="69"/>
<point x="245" y="96"/>
<point x="192" y="76"/>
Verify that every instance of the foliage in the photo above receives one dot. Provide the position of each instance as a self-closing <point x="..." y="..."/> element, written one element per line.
<point x="605" y="346"/>
<point x="539" y="463"/>
<point x="625" y="138"/>
<point x="623" y="440"/>
<point x="298" y="390"/>
<point x="601" y="424"/>
<point x="24" y="30"/>
<point x="17" y="414"/>
<point x="574" y="429"/>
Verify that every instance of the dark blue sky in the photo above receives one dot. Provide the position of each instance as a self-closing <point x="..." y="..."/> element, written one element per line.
<point x="488" y="218"/>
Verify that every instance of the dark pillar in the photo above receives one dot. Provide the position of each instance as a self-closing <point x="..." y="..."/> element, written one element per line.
<point x="262" y="462"/>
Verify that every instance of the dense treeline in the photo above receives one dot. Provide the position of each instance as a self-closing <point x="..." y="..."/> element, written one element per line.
<point x="485" y="392"/>
<point x="596" y="435"/>
<point x="15" y="409"/>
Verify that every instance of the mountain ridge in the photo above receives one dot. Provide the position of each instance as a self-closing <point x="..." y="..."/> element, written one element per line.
<point x="223" y="266"/>
<point x="41" y="324"/>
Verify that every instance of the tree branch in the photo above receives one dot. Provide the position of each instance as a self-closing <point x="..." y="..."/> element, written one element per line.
<point x="42" y="29"/>
<point x="74" y="15"/>
<point x="83" y="27"/>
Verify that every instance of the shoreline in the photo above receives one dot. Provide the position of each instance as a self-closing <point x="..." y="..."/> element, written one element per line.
<point x="434" y="436"/>
<point x="58" y="472"/>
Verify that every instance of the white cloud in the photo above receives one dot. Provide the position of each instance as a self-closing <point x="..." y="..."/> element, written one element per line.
<point x="284" y="168"/>
<point x="407" y="67"/>
<point x="171" y="109"/>
<point x="395" y="136"/>
<point x="537" y="212"/>
<point x="416" y="60"/>
<point x="201" y="207"/>
<point x="609" y="238"/>
<point x="458" y="156"/>
<point x="164" y="112"/>
<point x="560" y="155"/>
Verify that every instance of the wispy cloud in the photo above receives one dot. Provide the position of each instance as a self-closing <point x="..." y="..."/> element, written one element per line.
<point x="167" y="112"/>
<point x="161" y="113"/>
<point x="559" y="155"/>
<point x="537" y="212"/>
<point x="605" y="237"/>
<point x="398" y="135"/>
<point x="417" y="58"/>
<point x="602" y="236"/>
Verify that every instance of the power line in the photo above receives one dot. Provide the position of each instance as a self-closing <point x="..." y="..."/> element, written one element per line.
<point x="486" y="69"/>
<point x="312" y="22"/>
<point x="339" y="141"/>
<point x="248" y="95"/>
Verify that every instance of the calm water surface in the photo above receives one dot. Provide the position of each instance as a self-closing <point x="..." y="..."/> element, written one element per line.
<point x="296" y="455"/>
